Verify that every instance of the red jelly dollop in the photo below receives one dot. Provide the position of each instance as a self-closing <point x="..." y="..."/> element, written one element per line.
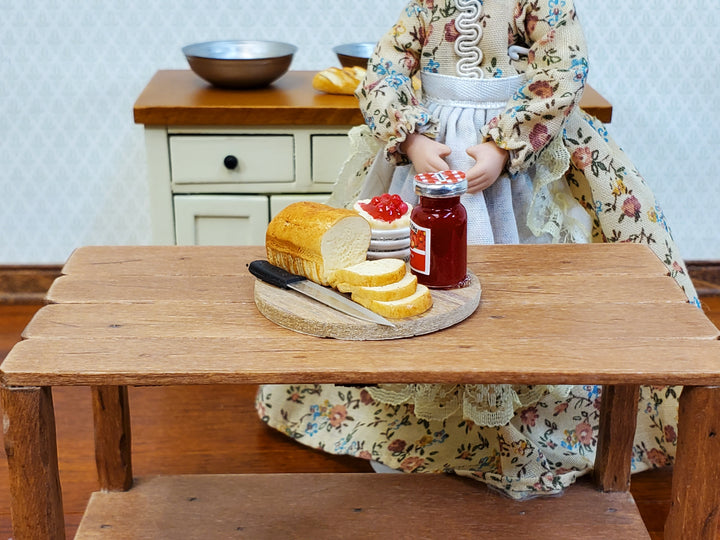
<point x="385" y="207"/>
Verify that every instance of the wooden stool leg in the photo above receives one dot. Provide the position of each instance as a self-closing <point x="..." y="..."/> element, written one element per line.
<point x="618" y="419"/>
<point x="113" y="452"/>
<point x="695" y="503"/>
<point x="31" y="447"/>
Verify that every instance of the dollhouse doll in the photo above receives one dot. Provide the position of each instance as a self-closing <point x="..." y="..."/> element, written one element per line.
<point x="500" y="85"/>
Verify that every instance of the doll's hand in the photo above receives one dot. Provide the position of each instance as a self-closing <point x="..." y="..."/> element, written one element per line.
<point x="426" y="154"/>
<point x="490" y="161"/>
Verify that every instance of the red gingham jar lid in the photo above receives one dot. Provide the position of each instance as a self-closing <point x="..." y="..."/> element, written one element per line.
<point x="440" y="184"/>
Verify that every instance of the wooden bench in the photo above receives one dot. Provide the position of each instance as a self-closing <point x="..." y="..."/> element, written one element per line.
<point x="582" y="314"/>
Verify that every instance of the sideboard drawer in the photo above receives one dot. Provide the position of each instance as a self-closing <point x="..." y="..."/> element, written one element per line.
<point x="215" y="159"/>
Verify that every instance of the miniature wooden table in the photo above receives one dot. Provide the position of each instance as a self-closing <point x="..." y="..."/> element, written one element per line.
<point x="579" y="314"/>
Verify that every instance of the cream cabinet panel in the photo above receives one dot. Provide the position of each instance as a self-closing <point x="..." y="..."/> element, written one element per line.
<point x="220" y="220"/>
<point x="214" y="159"/>
<point x="329" y="152"/>
<point x="191" y="187"/>
<point x="278" y="202"/>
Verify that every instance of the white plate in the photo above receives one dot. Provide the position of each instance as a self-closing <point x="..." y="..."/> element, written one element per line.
<point x="403" y="254"/>
<point x="390" y="234"/>
<point x="389" y="245"/>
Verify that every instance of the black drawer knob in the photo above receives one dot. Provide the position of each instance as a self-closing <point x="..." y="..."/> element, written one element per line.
<point x="231" y="162"/>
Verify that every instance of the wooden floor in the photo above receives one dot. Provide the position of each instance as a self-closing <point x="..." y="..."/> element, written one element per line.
<point x="215" y="430"/>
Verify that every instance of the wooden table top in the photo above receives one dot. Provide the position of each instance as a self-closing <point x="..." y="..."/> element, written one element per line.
<point x="181" y="98"/>
<point x="571" y="314"/>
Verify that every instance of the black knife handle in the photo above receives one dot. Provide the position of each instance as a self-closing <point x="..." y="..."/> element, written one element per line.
<point x="272" y="274"/>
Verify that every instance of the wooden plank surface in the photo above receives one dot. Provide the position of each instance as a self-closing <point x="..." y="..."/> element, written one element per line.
<point x="508" y="289"/>
<point x="99" y="261"/>
<point x="283" y="356"/>
<point x="501" y="260"/>
<point x="181" y="98"/>
<point x="582" y="322"/>
<point x="333" y="506"/>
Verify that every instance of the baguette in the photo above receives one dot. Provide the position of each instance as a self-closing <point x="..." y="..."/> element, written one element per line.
<point x="409" y="306"/>
<point x="356" y="71"/>
<point x="371" y="273"/>
<point x="316" y="240"/>
<point x="338" y="81"/>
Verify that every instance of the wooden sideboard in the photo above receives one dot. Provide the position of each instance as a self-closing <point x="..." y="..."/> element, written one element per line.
<point x="221" y="163"/>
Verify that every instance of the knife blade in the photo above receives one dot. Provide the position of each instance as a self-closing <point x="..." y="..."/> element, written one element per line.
<point x="274" y="275"/>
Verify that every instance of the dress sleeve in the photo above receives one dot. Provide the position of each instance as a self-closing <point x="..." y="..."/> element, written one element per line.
<point x="556" y="72"/>
<point x="387" y="98"/>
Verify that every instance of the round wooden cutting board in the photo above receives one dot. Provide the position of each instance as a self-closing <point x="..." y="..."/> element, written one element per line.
<point x="290" y="309"/>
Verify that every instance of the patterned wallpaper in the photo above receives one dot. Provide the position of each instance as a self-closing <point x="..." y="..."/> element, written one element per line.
<point x="72" y="162"/>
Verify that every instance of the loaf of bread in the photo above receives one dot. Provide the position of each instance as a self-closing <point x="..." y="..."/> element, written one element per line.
<point x="338" y="81"/>
<point x="372" y="273"/>
<point x="329" y="246"/>
<point x="316" y="240"/>
<point x="415" y="304"/>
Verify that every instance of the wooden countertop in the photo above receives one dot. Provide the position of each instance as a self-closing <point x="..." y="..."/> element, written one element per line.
<point x="181" y="98"/>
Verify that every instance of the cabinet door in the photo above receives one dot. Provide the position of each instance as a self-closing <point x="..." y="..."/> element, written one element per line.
<point x="329" y="152"/>
<point x="278" y="202"/>
<point x="221" y="220"/>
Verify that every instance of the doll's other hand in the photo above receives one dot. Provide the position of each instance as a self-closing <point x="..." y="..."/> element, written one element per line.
<point x="490" y="161"/>
<point x="426" y="154"/>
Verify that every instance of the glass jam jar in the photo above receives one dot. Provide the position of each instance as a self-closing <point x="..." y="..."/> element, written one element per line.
<point x="438" y="230"/>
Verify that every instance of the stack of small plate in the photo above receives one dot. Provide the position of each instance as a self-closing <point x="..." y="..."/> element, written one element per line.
<point x="390" y="244"/>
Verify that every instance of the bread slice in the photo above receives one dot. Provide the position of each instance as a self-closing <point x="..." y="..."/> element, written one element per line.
<point x="384" y="293"/>
<point x="372" y="273"/>
<point x="415" y="304"/>
<point x="316" y="240"/>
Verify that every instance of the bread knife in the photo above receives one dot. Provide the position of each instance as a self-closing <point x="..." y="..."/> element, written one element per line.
<point x="279" y="277"/>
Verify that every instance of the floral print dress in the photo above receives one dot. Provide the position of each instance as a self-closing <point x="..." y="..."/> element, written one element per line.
<point x="572" y="162"/>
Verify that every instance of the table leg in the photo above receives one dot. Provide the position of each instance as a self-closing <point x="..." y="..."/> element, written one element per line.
<point x="30" y="444"/>
<point x="618" y="420"/>
<point x="113" y="453"/>
<point x="695" y="502"/>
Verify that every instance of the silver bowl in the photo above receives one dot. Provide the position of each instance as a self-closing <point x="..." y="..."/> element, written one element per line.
<point x="354" y="54"/>
<point x="240" y="63"/>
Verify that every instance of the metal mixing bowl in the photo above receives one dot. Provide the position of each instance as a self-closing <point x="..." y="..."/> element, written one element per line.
<point x="354" y="54"/>
<point x="240" y="63"/>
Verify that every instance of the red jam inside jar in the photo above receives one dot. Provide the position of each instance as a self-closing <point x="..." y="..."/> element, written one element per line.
<point x="438" y="230"/>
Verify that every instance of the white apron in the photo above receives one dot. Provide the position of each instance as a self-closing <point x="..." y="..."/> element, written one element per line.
<point x="497" y="215"/>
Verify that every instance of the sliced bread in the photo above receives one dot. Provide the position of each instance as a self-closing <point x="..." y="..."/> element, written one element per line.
<point x="370" y="273"/>
<point x="415" y="304"/>
<point x="384" y="293"/>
